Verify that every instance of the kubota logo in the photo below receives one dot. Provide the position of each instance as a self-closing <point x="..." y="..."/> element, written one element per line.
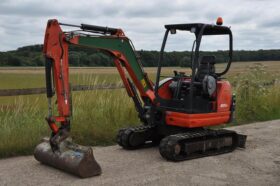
<point x="223" y="105"/>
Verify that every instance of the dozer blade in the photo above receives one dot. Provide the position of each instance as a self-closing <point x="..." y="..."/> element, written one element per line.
<point x="71" y="158"/>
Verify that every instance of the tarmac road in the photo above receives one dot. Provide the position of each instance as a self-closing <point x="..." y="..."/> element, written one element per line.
<point x="258" y="164"/>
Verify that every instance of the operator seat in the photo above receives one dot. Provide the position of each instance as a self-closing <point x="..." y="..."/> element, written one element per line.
<point x="206" y="67"/>
<point x="206" y="75"/>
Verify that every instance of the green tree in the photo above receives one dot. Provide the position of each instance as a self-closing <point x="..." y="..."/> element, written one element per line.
<point x="14" y="61"/>
<point x="38" y="61"/>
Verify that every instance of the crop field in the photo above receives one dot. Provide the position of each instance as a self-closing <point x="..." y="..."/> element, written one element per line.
<point x="98" y="114"/>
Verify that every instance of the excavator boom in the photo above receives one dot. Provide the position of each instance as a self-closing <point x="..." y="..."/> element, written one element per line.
<point x="110" y="40"/>
<point x="116" y="44"/>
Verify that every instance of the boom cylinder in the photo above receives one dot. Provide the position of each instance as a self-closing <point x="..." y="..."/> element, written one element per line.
<point x="95" y="28"/>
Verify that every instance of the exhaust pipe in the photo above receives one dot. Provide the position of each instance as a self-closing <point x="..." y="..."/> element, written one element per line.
<point x="71" y="158"/>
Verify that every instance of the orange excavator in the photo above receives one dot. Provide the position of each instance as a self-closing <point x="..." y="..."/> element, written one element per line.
<point x="175" y="112"/>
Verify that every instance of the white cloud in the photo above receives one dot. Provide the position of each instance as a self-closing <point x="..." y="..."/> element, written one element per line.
<point x="255" y="23"/>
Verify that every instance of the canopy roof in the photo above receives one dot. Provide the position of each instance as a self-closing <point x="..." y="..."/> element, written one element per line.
<point x="196" y="27"/>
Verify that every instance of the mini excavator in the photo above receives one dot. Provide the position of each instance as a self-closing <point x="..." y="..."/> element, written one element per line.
<point x="176" y="112"/>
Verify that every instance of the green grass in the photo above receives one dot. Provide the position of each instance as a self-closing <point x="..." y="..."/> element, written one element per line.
<point x="257" y="95"/>
<point x="98" y="114"/>
<point x="21" y="126"/>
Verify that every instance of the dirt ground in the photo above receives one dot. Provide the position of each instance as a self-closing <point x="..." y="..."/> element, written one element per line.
<point x="258" y="164"/>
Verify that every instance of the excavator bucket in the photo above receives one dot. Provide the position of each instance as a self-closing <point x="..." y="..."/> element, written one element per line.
<point x="71" y="157"/>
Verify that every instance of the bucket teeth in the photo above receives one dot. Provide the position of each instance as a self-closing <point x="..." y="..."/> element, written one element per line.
<point x="71" y="157"/>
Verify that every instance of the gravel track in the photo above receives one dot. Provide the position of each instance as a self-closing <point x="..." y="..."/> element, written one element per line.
<point x="258" y="164"/>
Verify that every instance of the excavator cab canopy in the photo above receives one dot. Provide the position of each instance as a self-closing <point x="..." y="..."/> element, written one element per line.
<point x="197" y="59"/>
<point x="200" y="29"/>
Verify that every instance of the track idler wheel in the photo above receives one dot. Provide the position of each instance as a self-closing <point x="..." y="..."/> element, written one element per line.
<point x="131" y="140"/>
<point x="170" y="149"/>
<point x="135" y="137"/>
<point x="71" y="158"/>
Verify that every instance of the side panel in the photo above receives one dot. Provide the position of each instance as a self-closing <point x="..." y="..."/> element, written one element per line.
<point x="196" y="120"/>
<point x="224" y="96"/>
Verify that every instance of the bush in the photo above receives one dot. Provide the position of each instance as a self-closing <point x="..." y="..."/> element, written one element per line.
<point x="257" y="95"/>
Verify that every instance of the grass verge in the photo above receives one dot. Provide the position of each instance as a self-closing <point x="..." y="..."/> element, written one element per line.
<point x="98" y="114"/>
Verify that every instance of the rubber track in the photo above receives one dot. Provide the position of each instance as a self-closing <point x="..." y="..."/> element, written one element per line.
<point x="124" y="136"/>
<point x="167" y="145"/>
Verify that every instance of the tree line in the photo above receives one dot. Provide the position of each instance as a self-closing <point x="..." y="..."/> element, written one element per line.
<point x="86" y="57"/>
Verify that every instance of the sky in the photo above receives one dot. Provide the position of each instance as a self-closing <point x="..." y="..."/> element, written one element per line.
<point x="255" y="23"/>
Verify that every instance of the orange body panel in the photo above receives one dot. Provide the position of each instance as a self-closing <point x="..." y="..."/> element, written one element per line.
<point x="224" y="96"/>
<point x="164" y="91"/>
<point x="196" y="120"/>
<point x="222" y="114"/>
